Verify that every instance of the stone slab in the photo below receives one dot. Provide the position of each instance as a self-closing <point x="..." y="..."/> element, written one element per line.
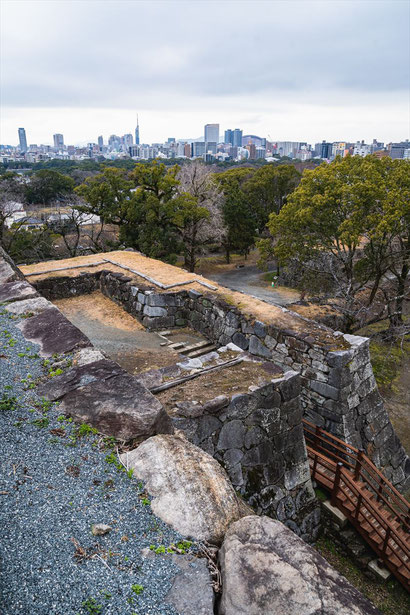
<point x="53" y="332"/>
<point x="382" y="573"/>
<point x="336" y="514"/>
<point x="111" y="400"/>
<point x="29" y="306"/>
<point x="16" y="291"/>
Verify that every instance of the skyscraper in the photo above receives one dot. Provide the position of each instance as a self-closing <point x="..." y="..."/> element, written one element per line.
<point x="212" y="133"/>
<point x="234" y="137"/>
<point x="237" y="138"/>
<point x="137" y="133"/>
<point x="22" y="140"/>
<point x="58" y="140"/>
<point x="228" y="136"/>
<point x="101" y="142"/>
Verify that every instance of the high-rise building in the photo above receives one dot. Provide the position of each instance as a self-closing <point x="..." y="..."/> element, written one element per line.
<point x="198" y="149"/>
<point x="137" y="133"/>
<point x="58" y="140"/>
<point x="228" y="136"/>
<point x="22" y="140"/>
<point x="237" y="138"/>
<point x="127" y="140"/>
<point x="211" y="147"/>
<point x="323" y="150"/>
<point x="101" y="142"/>
<point x="187" y="150"/>
<point x="212" y="133"/>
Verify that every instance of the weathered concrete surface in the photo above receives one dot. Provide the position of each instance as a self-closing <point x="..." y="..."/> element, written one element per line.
<point x="191" y="491"/>
<point x="105" y="396"/>
<point x="16" y="291"/>
<point x="53" y="332"/>
<point x="29" y="306"/>
<point x="267" y="570"/>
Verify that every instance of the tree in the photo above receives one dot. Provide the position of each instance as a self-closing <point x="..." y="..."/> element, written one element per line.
<point x="107" y="195"/>
<point x="240" y="221"/>
<point x="268" y="188"/>
<point x="11" y="192"/>
<point x="352" y="217"/>
<point x="201" y="220"/>
<point x="47" y="185"/>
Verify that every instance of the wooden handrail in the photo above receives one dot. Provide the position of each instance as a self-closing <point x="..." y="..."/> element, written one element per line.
<point x="365" y="510"/>
<point x="335" y="438"/>
<point x="366" y="465"/>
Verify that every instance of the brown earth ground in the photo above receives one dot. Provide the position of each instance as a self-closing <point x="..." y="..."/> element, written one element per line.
<point x="112" y="330"/>
<point x="226" y="381"/>
<point x="168" y="274"/>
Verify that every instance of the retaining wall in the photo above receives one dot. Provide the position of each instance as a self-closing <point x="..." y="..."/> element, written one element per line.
<point x="339" y="391"/>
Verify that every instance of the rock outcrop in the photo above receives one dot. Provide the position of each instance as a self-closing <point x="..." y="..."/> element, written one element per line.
<point x="268" y="570"/>
<point x="190" y="490"/>
<point x="53" y="332"/>
<point x="108" y="398"/>
<point x="16" y="291"/>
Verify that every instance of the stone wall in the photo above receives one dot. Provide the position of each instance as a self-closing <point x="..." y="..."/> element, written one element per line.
<point x="258" y="438"/>
<point x="339" y="391"/>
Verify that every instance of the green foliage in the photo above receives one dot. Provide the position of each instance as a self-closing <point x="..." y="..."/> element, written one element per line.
<point x="356" y="211"/>
<point x="238" y="217"/>
<point x="47" y="185"/>
<point x="386" y="361"/>
<point x="91" y="606"/>
<point x="28" y="245"/>
<point x="267" y="190"/>
<point x="8" y="403"/>
<point x="137" y="589"/>
<point x="42" y="422"/>
<point x="85" y="430"/>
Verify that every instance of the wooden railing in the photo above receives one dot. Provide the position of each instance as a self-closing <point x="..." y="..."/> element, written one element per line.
<point x="370" y="502"/>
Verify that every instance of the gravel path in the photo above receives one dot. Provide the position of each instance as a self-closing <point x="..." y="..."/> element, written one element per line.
<point x="53" y="486"/>
<point x="249" y="280"/>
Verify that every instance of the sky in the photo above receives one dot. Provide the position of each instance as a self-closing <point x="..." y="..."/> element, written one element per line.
<point x="295" y="70"/>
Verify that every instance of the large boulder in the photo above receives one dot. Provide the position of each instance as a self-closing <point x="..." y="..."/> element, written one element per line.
<point x="191" y="591"/>
<point x="16" y="291"/>
<point x="7" y="273"/>
<point x="266" y="570"/>
<point x="53" y="332"/>
<point x="29" y="306"/>
<point x="191" y="491"/>
<point x="108" y="398"/>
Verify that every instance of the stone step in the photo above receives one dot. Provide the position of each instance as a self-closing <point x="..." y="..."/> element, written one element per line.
<point x="200" y="352"/>
<point x="197" y="346"/>
<point x="176" y="345"/>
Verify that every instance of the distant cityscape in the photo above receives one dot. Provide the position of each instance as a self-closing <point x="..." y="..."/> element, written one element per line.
<point x="232" y="145"/>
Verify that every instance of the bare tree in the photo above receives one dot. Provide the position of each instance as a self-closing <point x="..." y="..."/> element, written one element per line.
<point x="199" y="230"/>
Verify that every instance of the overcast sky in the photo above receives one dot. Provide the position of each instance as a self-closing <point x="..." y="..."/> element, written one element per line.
<point x="294" y="69"/>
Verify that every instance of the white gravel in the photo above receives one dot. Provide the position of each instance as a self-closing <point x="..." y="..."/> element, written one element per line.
<point x="52" y="489"/>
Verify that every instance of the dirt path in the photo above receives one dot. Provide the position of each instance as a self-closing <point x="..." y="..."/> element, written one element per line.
<point x="249" y="279"/>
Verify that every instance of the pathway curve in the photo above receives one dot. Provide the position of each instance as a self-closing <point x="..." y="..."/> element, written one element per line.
<point x="249" y="280"/>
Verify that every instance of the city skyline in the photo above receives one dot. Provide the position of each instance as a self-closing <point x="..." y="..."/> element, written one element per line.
<point x="292" y="70"/>
<point x="222" y="133"/>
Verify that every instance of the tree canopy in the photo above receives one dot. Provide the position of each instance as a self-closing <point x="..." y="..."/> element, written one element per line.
<point x="353" y="217"/>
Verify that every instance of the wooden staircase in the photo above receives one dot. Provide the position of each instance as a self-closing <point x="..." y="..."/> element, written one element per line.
<point x="370" y="502"/>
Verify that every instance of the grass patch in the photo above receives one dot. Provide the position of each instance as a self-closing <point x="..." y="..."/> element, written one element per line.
<point x="387" y="359"/>
<point x="388" y="597"/>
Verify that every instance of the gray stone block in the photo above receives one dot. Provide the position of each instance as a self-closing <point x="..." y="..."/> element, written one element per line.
<point x="232" y="435"/>
<point x="256" y="347"/>
<point x="325" y="389"/>
<point x="154" y="311"/>
<point x="240" y="340"/>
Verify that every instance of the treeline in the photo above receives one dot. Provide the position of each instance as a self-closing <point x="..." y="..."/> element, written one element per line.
<point x="341" y="230"/>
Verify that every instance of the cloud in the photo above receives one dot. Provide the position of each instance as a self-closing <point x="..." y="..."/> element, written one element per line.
<point x="194" y="55"/>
